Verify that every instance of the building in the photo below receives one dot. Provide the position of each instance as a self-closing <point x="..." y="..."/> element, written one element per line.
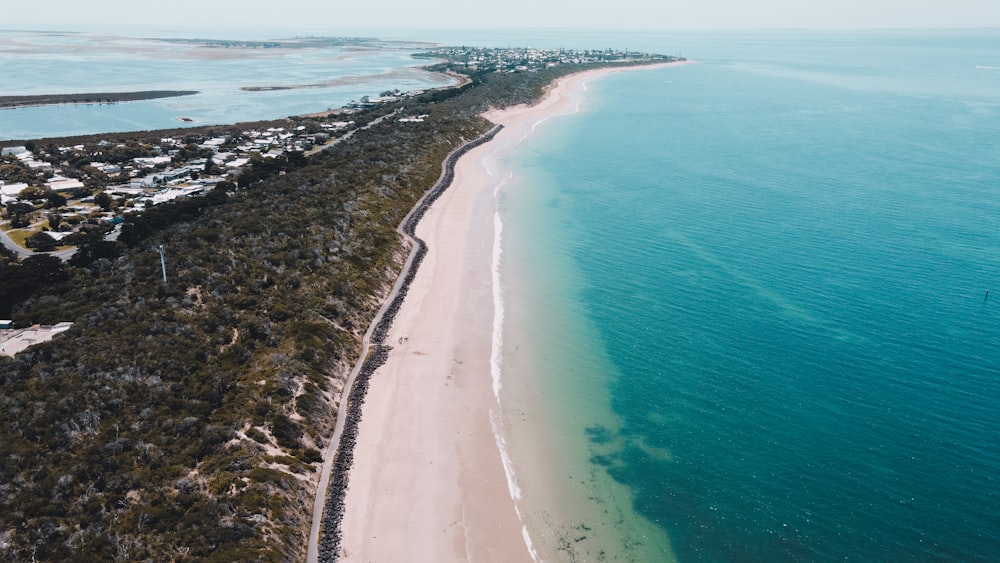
<point x="60" y="184"/>
<point x="13" y="151"/>
<point x="12" y="190"/>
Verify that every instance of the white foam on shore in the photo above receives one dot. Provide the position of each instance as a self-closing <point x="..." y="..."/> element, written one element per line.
<point x="508" y="465"/>
<point x="532" y="129"/>
<point x="503" y="176"/>
<point x="496" y="354"/>
<point x="512" y="486"/>
<point x="498" y="314"/>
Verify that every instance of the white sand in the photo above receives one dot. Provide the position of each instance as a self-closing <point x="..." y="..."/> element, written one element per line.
<point x="428" y="482"/>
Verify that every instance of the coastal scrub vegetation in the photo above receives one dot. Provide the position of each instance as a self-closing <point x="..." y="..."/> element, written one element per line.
<point x="185" y="420"/>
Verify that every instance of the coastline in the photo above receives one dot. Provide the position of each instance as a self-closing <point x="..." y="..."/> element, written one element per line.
<point x="328" y="508"/>
<point x="431" y="479"/>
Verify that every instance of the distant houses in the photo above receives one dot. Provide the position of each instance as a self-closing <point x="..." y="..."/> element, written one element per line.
<point x="141" y="173"/>
<point x="532" y="60"/>
<point x="413" y="119"/>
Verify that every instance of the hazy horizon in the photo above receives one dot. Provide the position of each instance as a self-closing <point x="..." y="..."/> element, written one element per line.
<point x="395" y="15"/>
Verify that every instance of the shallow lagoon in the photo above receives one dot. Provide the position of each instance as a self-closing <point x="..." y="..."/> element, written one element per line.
<point x="314" y="75"/>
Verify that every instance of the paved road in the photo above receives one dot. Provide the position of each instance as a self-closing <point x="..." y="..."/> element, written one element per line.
<point x="9" y="243"/>
<point x="22" y="252"/>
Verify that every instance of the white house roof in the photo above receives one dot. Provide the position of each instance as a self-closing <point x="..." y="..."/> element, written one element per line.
<point x="12" y="189"/>
<point x="64" y="184"/>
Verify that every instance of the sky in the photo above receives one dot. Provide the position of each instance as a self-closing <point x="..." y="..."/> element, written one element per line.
<point x="342" y="16"/>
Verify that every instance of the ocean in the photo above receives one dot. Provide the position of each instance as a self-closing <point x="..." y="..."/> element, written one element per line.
<point x="746" y="308"/>
<point x="753" y="295"/>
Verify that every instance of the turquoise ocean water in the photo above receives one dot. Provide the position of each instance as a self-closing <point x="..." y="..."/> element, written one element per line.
<point x="782" y="254"/>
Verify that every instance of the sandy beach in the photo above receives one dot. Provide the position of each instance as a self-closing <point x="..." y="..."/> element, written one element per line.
<point x="428" y="482"/>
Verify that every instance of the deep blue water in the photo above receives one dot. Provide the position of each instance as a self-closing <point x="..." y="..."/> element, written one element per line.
<point x="786" y="250"/>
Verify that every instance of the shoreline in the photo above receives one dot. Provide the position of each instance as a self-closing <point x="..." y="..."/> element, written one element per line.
<point x="328" y="509"/>
<point x="430" y="478"/>
<point x="565" y="522"/>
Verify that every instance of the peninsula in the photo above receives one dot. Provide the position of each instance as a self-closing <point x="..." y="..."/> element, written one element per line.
<point x="191" y="419"/>
<point x="8" y="102"/>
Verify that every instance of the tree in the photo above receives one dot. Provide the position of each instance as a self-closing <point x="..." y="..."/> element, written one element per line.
<point x="33" y="193"/>
<point x="54" y="200"/>
<point x="41" y="242"/>
<point x="19" y="208"/>
<point x="20" y="221"/>
<point x="19" y="213"/>
<point x="18" y="281"/>
<point x="89" y="252"/>
<point x="44" y="269"/>
<point x="104" y="201"/>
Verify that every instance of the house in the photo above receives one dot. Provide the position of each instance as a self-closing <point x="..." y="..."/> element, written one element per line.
<point x="173" y="174"/>
<point x="151" y="161"/>
<point x="58" y="235"/>
<point x="60" y="184"/>
<point x="38" y="165"/>
<point x="106" y="168"/>
<point x="126" y="189"/>
<point x="213" y="144"/>
<point x="414" y="119"/>
<point x="13" y="151"/>
<point x="337" y="124"/>
<point x="147" y="181"/>
<point x="12" y="190"/>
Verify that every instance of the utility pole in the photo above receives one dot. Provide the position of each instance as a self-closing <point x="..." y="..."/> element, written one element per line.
<point x="163" y="264"/>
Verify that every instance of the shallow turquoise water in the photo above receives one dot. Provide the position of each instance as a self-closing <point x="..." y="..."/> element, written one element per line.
<point x="785" y="250"/>
<point x="66" y="63"/>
